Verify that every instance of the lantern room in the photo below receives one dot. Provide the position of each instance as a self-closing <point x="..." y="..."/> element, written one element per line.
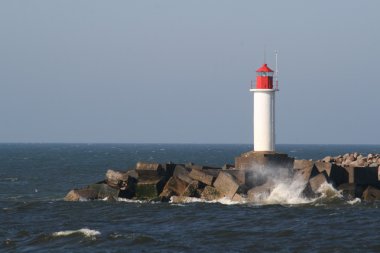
<point x="264" y="77"/>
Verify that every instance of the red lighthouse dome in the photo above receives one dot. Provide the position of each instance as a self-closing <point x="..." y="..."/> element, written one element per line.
<point x="264" y="77"/>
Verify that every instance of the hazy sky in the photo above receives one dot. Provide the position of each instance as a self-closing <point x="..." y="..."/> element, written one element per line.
<point x="179" y="71"/>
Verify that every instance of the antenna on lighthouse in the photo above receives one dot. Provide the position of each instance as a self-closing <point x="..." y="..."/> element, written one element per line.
<point x="276" y="78"/>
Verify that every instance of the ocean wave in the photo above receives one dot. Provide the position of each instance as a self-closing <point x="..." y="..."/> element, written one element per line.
<point x="83" y="231"/>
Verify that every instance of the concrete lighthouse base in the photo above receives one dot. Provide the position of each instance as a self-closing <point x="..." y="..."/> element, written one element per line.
<point x="262" y="159"/>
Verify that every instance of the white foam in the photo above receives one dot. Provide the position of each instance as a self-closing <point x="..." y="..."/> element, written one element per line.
<point x="84" y="231"/>
<point x="328" y="191"/>
<point x="287" y="192"/>
<point x="354" y="201"/>
<point x="183" y="200"/>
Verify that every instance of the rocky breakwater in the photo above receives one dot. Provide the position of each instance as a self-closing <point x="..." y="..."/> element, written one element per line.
<point x="255" y="177"/>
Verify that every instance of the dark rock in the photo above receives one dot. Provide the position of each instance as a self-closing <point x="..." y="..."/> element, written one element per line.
<point x="366" y="176"/>
<point x="149" y="189"/>
<point x="201" y="176"/>
<point x="149" y="171"/>
<point x="81" y="194"/>
<point x="371" y="194"/>
<point x="226" y="184"/>
<point x="210" y="193"/>
<point x="168" y="169"/>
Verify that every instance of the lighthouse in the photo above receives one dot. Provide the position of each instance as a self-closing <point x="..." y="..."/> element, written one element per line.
<point x="264" y="109"/>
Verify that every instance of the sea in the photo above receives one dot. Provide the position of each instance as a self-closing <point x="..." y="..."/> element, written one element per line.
<point x="34" y="178"/>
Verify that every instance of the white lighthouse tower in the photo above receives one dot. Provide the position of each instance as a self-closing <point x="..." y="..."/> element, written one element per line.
<point x="264" y="109"/>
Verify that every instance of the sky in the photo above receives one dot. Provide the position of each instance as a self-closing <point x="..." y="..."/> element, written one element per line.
<point x="173" y="71"/>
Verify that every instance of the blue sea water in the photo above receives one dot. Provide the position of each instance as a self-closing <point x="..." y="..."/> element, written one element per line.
<point x="34" y="178"/>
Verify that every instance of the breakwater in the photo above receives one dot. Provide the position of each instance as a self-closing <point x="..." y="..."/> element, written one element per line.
<point x="255" y="177"/>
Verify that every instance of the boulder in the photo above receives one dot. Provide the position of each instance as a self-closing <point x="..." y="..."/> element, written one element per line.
<point x="316" y="181"/>
<point x="226" y="184"/>
<point x="210" y="193"/>
<point x="201" y="176"/>
<point x="149" y="171"/>
<point x="371" y="194"/>
<point x="81" y="194"/>
<point x="149" y="189"/>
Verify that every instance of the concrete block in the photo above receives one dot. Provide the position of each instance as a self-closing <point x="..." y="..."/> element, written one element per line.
<point x="260" y="192"/>
<point x="149" y="171"/>
<point x="316" y="181"/>
<point x="349" y="191"/>
<point x="182" y="173"/>
<point x="350" y="173"/>
<point x="238" y="198"/>
<point x="240" y="175"/>
<point x="201" y="176"/>
<point x="81" y="194"/>
<point x="371" y="194"/>
<point x="306" y="173"/>
<point x="226" y="184"/>
<point x="366" y="176"/>
<point x="302" y="164"/>
<point x="168" y="169"/>
<point x="116" y="178"/>
<point x="192" y="190"/>
<point x="105" y="191"/>
<point x="336" y="174"/>
<point x="210" y="193"/>
<point x="265" y="159"/>
<point x="176" y="185"/>
<point x="149" y="189"/>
